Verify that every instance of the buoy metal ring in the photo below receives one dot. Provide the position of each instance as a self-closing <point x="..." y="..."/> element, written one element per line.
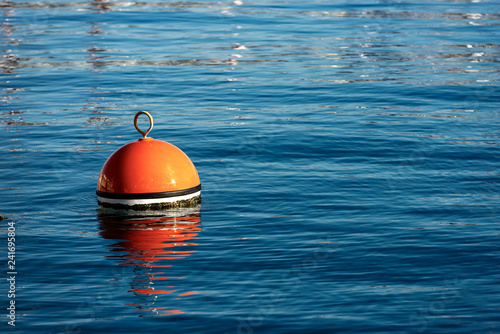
<point x="143" y="133"/>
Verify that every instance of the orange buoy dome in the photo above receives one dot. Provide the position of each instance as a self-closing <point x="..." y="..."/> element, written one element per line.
<point x="148" y="172"/>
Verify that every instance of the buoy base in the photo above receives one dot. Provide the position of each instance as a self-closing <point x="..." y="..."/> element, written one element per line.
<point x="152" y="204"/>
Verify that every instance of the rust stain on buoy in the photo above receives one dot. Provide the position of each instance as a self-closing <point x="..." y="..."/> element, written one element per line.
<point x="148" y="173"/>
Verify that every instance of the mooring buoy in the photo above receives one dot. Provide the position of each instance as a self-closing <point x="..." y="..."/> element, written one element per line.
<point x="148" y="174"/>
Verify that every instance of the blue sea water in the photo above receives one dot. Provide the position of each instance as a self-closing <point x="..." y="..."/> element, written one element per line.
<point x="347" y="150"/>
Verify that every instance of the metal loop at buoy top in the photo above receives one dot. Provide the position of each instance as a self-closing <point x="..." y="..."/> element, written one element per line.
<point x="143" y="133"/>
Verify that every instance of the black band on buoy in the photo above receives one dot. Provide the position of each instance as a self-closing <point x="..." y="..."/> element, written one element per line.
<point x="164" y="194"/>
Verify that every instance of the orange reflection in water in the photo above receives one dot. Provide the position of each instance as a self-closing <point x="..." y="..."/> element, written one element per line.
<point x="151" y="243"/>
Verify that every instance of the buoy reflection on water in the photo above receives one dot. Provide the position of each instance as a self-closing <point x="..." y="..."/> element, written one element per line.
<point x="151" y="241"/>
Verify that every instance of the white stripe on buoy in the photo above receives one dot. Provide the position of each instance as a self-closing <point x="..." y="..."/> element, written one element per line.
<point x="132" y="202"/>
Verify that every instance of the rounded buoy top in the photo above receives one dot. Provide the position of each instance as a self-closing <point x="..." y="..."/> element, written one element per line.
<point x="149" y="170"/>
